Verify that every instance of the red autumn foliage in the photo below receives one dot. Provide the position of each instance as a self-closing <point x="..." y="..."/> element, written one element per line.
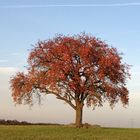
<point x="75" y="69"/>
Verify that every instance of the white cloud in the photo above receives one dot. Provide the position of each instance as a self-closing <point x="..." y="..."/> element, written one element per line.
<point x="15" y="54"/>
<point x="71" y="5"/>
<point x="3" y="60"/>
<point x="138" y="50"/>
<point x="7" y="69"/>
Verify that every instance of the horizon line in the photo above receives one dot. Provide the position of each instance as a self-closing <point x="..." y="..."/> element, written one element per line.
<point x="70" y="5"/>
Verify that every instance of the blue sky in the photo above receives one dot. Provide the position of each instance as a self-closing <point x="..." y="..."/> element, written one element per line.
<point x="23" y="23"/>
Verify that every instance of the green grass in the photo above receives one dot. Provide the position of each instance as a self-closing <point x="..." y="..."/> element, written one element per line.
<point x="42" y="132"/>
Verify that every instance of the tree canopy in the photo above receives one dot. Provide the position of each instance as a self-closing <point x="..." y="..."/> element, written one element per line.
<point x="76" y="69"/>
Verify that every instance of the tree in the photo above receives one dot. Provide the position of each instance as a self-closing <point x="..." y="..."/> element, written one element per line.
<point x="76" y="69"/>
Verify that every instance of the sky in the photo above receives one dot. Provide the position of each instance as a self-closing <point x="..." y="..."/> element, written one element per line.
<point x="23" y="23"/>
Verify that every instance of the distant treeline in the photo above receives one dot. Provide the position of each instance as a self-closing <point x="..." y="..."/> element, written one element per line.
<point x="15" y="122"/>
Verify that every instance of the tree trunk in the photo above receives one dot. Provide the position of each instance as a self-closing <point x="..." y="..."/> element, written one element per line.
<point x="79" y="111"/>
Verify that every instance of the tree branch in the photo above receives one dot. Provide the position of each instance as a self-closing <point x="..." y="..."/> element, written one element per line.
<point x="67" y="101"/>
<point x="61" y="98"/>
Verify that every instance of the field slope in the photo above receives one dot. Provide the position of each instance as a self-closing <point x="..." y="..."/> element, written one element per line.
<point x="42" y="132"/>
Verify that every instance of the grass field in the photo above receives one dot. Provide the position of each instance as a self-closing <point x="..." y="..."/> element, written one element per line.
<point x="42" y="132"/>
